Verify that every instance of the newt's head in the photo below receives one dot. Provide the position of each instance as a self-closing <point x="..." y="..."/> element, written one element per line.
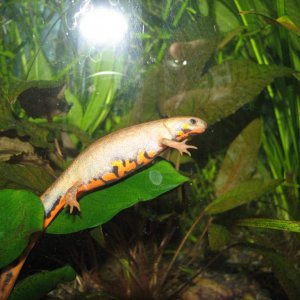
<point x="183" y="127"/>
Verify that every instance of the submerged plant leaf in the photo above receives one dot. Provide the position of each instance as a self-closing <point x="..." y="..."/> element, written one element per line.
<point x="105" y="80"/>
<point x="223" y="90"/>
<point x="25" y="176"/>
<point x="241" y="194"/>
<point x="40" y="68"/>
<point x="218" y="237"/>
<point x="284" y="21"/>
<point x="11" y="147"/>
<point x="240" y="161"/>
<point x="291" y="226"/>
<point x="18" y="86"/>
<point x="180" y="71"/>
<point x="38" y="136"/>
<point x="17" y="222"/>
<point x="39" y="285"/>
<point x="75" y="114"/>
<point x="100" y="206"/>
<point x="284" y="270"/>
<point x="6" y="117"/>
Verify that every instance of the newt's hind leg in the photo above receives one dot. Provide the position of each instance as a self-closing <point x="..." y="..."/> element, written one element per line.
<point x="71" y="197"/>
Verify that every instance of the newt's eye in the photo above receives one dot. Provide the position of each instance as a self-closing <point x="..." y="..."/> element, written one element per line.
<point x="193" y="121"/>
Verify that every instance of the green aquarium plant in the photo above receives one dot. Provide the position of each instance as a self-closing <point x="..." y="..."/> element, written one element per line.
<point x="232" y="63"/>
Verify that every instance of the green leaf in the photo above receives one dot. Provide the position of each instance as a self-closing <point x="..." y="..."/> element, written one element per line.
<point x="25" y="176"/>
<point x="106" y="79"/>
<point x="218" y="237"/>
<point x="39" y="285"/>
<point x="226" y="19"/>
<point x="223" y="90"/>
<point x="284" y="270"/>
<point x="241" y="194"/>
<point x="291" y="226"/>
<point x="21" y="214"/>
<point x="240" y="161"/>
<point x="100" y="206"/>
<point x="38" y="136"/>
<point x="75" y="114"/>
<point x="40" y="68"/>
<point x="286" y="22"/>
<point x="6" y="117"/>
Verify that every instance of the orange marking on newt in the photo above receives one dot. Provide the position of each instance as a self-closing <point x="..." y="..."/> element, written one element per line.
<point x="120" y="168"/>
<point x="129" y="165"/>
<point x="94" y="183"/>
<point x="124" y="166"/>
<point x="54" y="211"/>
<point x="141" y="159"/>
<point x="109" y="176"/>
<point x="151" y="154"/>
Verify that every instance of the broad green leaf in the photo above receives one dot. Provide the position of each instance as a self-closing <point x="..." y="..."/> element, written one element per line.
<point x="226" y="19"/>
<point x="241" y="194"/>
<point x="39" y="285"/>
<point x="223" y="90"/>
<point x="100" y="206"/>
<point x="21" y="214"/>
<point x="284" y="270"/>
<point x="240" y="161"/>
<point x="291" y="226"/>
<point x="24" y="176"/>
<point x="218" y="237"/>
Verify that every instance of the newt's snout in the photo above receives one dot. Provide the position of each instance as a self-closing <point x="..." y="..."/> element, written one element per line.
<point x="201" y="127"/>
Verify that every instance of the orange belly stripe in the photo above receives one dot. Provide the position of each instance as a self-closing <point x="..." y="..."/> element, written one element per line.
<point x="92" y="184"/>
<point x="142" y="159"/>
<point x="109" y="176"/>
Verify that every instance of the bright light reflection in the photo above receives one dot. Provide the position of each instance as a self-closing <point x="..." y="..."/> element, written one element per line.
<point x="103" y="26"/>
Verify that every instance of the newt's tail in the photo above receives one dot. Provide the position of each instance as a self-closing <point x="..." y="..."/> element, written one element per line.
<point x="9" y="275"/>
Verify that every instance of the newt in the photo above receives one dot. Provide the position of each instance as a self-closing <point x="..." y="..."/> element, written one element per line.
<point x="107" y="160"/>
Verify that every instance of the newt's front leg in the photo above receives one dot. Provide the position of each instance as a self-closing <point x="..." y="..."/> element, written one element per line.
<point x="180" y="146"/>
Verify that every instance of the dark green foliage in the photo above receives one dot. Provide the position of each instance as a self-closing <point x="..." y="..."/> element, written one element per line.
<point x="17" y="224"/>
<point x="38" y="285"/>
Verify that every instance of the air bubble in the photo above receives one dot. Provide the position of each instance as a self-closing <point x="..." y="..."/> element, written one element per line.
<point x="155" y="177"/>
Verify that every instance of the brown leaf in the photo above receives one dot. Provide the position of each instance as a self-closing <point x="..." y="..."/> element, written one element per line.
<point x="223" y="90"/>
<point x="240" y="161"/>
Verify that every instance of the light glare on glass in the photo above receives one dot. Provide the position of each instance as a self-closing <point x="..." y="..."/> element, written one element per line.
<point x="103" y="26"/>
